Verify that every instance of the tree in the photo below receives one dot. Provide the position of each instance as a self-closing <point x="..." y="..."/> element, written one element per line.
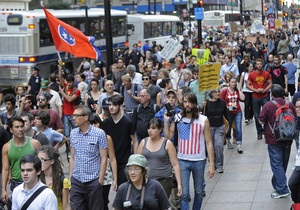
<point x="35" y="4"/>
<point x="57" y="4"/>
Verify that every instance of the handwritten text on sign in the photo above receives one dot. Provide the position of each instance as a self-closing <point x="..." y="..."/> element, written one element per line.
<point x="209" y="76"/>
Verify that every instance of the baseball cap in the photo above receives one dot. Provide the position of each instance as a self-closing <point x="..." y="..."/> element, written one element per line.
<point x="105" y="104"/>
<point x="170" y="91"/>
<point x="137" y="159"/>
<point x="154" y="73"/>
<point x="86" y="65"/>
<point x="44" y="84"/>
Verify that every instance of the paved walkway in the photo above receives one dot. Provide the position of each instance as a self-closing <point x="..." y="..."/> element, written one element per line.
<point x="245" y="183"/>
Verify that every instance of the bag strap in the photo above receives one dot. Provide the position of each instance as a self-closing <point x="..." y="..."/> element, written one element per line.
<point x="34" y="195"/>
<point x="128" y="195"/>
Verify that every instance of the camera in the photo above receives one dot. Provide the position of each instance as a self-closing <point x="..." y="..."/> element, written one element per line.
<point x="232" y="108"/>
<point x="170" y="110"/>
<point x="127" y="204"/>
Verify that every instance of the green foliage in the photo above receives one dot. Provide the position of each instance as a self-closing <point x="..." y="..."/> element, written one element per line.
<point x="57" y="4"/>
<point x="52" y="4"/>
<point x="35" y="4"/>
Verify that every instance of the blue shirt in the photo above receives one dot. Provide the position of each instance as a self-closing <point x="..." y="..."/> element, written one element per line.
<point x="52" y="135"/>
<point x="292" y="69"/>
<point x="160" y="115"/>
<point x="87" y="148"/>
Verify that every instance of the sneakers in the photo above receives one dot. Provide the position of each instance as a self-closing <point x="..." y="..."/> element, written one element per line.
<point x="276" y="195"/>
<point x="247" y="122"/>
<point x="229" y="145"/>
<point x="220" y="170"/>
<point x="240" y="151"/>
<point x="259" y="136"/>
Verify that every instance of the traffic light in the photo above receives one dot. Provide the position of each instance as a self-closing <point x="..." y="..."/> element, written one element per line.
<point x="282" y="3"/>
<point x="201" y="3"/>
<point x="293" y="5"/>
<point x="265" y="7"/>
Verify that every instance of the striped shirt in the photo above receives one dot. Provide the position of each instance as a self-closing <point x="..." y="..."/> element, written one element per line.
<point x="87" y="148"/>
<point x="191" y="145"/>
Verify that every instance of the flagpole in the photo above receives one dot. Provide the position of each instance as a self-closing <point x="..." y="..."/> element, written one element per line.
<point x="58" y="55"/>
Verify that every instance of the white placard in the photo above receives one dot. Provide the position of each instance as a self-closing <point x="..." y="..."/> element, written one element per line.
<point x="171" y="49"/>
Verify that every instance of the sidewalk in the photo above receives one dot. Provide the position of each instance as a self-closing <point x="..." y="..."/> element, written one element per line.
<point x="246" y="181"/>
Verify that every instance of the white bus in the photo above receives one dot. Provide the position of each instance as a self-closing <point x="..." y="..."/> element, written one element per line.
<point x="26" y="40"/>
<point x="157" y="28"/>
<point x="219" y="18"/>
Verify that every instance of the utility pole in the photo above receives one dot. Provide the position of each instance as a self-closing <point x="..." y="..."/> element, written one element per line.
<point x="241" y="12"/>
<point x="87" y="31"/>
<point x="200" y="27"/>
<point x="262" y="12"/>
<point x="108" y="36"/>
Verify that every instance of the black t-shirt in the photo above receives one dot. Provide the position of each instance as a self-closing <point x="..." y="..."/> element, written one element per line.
<point x="277" y="74"/>
<point x="154" y="90"/>
<point x="215" y="110"/>
<point x="155" y="197"/>
<point x="120" y="134"/>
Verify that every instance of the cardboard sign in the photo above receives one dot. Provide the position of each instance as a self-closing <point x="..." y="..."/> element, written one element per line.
<point x="201" y="54"/>
<point x="171" y="49"/>
<point x="233" y="27"/>
<point x="278" y="23"/>
<point x="251" y="39"/>
<point x="209" y="76"/>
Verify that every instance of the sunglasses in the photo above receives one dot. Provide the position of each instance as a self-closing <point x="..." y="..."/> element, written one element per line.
<point x="42" y="99"/>
<point x="145" y="78"/>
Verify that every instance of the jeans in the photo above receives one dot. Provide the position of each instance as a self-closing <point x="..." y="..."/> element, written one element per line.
<point x="68" y="124"/>
<point x="279" y="155"/>
<point x="294" y="185"/>
<point x="237" y="118"/>
<point x="257" y="105"/>
<point x="248" y="109"/>
<point x="217" y="135"/>
<point x="197" y="169"/>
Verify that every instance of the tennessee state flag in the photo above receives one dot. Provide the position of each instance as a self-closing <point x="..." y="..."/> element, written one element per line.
<point x="69" y="39"/>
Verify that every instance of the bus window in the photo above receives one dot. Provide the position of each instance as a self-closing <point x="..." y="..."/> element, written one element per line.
<point x="118" y="26"/>
<point x="147" y="31"/>
<point x="45" y="35"/>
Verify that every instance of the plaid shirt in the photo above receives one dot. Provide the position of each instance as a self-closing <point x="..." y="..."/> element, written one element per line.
<point x="89" y="75"/>
<point x="87" y="148"/>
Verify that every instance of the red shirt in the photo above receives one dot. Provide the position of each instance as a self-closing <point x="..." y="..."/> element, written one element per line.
<point x="259" y="80"/>
<point x="232" y="100"/>
<point x="69" y="107"/>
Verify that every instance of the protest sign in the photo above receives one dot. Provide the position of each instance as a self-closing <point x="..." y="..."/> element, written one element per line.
<point x="202" y="55"/>
<point x="209" y="76"/>
<point x="171" y="49"/>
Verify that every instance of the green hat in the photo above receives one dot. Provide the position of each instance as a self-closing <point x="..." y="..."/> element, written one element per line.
<point x="44" y="84"/>
<point x="137" y="159"/>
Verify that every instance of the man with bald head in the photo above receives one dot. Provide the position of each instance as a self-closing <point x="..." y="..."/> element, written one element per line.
<point x="291" y="71"/>
<point x="144" y="112"/>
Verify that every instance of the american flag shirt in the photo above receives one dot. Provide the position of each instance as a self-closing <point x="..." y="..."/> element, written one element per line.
<point x="191" y="145"/>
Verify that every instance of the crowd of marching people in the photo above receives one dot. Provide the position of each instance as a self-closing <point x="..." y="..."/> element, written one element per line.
<point x="141" y="126"/>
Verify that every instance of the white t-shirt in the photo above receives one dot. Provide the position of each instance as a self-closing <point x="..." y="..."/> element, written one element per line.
<point x="55" y="101"/>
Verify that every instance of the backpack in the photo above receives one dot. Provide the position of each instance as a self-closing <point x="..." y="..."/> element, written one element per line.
<point x="135" y="91"/>
<point x="284" y="128"/>
<point x="78" y="100"/>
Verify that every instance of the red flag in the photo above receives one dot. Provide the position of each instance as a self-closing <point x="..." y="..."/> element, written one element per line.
<point x="69" y="39"/>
